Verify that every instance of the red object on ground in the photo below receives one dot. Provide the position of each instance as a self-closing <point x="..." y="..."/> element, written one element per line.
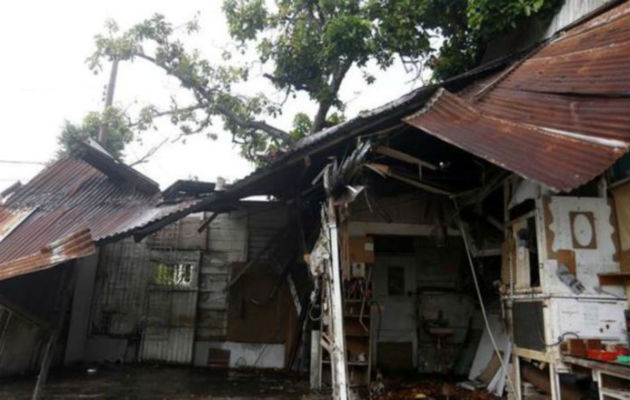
<point x="602" y="355"/>
<point x="621" y="350"/>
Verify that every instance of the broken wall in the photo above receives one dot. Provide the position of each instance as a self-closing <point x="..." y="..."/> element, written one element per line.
<point x="134" y="317"/>
<point x="31" y="306"/>
<point x="428" y="320"/>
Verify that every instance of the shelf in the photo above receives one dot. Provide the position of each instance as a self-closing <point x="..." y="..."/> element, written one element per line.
<point x="351" y="363"/>
<point x="358" y="334"/>
<point x="616" y="393"/>
<point x="614" y="278"/>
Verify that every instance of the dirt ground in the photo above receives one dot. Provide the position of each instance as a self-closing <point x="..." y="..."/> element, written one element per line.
<point x="169" y="382"/>
<point x="160" y="382"/>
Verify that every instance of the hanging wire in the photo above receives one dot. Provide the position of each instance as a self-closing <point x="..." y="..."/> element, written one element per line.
<point x="480" y="298"/>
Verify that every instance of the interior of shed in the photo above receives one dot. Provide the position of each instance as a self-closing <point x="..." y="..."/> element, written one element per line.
<point x="433" y="239"/>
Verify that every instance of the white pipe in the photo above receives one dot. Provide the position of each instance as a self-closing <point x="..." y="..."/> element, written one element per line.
<point x="338" y="355"/>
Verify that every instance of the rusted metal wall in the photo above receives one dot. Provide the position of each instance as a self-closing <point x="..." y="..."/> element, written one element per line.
<point x="124" y="272"/>
<point x="170" y="325"/>
<point x="173" y="321"/>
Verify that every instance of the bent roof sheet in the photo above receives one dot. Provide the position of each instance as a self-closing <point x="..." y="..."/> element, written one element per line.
<point x="561" y="117"/>
<point x="69" y="206"/>
<point x="558" y="161"/>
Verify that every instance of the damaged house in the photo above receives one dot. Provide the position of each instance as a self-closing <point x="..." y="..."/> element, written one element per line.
<point x="477" y="228"/>
<point x="84" y="280"/>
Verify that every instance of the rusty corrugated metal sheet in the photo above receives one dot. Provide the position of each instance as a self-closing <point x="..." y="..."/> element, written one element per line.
<point x="602" y="70"/>
<point x="560" y="162"/>
<point x="592" y="58"/>
<point x="559" y="117"/>
<point x="63" y="200"/>
<point x="11" y="219"/>
<point x="75" y="245"/>
<point x="603" y="117"/>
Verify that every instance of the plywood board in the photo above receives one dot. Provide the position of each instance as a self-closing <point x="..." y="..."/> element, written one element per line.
<point x="567" y="258"/>
<point x="621" y="198"/>
<point x="255" y="318"/>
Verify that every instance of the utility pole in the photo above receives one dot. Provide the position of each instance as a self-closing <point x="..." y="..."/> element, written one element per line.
<point x="109" y="99"/>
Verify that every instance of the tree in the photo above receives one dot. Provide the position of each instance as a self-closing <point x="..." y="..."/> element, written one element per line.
<point x="468" y="28"/>
<point x="305" y="46"/>
<point x="309" y="45"/>
<point x="120" y="132"/>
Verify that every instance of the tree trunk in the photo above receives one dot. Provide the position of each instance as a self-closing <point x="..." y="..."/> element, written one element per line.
<point x="319" y="121"/>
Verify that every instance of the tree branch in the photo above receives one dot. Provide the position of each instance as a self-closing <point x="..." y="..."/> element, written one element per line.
<point x="149" y="153"/>
<point x="158" y="114"/>
<point x="277" y="134"/>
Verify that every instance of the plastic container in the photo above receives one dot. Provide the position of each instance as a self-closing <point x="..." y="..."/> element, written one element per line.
<point x="602" y="355"/>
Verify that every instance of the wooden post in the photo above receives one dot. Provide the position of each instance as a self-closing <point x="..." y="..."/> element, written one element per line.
<point x="65" y="293"/>
<point x="43" y="371"/>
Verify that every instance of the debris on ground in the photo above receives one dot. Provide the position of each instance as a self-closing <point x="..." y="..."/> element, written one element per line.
<point x="429" y="388"/>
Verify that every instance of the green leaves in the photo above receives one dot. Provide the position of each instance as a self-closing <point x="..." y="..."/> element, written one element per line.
<point x="246" y="18"/>
<point x="488" y="18"/>
<point x="471" y="25"/>
<point x="118" y="133"/>
<point x="303" y="45"/>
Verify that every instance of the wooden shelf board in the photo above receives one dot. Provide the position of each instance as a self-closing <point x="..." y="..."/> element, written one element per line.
<point x="351" y="363"/>
<point x="614" y="278"/>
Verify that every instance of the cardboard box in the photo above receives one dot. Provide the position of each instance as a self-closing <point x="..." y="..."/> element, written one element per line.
<point x="362" y="249"/>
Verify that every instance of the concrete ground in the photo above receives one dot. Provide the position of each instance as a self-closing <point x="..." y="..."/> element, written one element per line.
<point x="160" y="382"/>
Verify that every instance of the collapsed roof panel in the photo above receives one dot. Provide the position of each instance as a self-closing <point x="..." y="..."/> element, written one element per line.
<point x="69" y="206"/>
<point x="560" y="117"/>
<point x="599" y="117"/>
<point x="557" y="161"/>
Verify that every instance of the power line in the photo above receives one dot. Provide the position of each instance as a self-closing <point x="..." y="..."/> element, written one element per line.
<point x="22" y="162"/>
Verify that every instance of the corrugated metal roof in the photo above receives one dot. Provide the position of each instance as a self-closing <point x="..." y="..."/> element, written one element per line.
<point x="557" y="161"/>
<point x="561" y="117"/>
<point x="599" y="116"/>
<point x="65" y="199"/>
<point x="75" y="245"/>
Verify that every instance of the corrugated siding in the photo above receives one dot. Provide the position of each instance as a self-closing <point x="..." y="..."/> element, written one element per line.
<point x="173" y="345"/>
<point x="265" y="222"/>
<point x="124" y="273"/>
<point x="170" y="330"/>
<point x="571" y="11"/>
<point x="213" y="303"/>
<point x="228" y="236"/>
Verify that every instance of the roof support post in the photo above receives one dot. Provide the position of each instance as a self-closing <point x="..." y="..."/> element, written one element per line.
<point x="338" y="345"/>
<point x="45" y="366"/>
<point x="66" y="292"/>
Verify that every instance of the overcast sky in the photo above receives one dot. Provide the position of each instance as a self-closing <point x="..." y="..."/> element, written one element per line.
<point x="44" y="81"/>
